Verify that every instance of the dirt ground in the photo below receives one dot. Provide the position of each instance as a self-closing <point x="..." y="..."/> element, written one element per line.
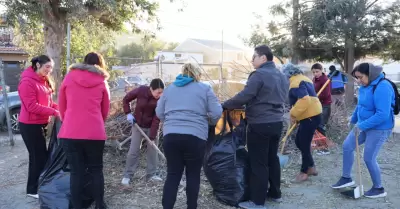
<point x="314" y="193"/>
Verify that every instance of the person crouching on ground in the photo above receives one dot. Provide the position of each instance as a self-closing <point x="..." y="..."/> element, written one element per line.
<point x="145" y="116"/>
<point x="264" y="95"/>
<point x="306" y="111"/>
<point x="35" y="91"/>
<point x="84" y="101"/>
<point x="186" y="108"/>
<point x="374" y="119"/>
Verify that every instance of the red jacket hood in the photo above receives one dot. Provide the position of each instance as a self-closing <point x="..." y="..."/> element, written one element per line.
<point x="29" y="73"/>
<point x="87" y="76"/>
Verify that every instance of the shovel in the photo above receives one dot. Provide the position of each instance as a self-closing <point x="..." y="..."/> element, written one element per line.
<point x="284" y="159"/>
<point x="358" y="191"/>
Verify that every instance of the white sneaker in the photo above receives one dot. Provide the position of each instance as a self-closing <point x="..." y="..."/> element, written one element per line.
<point x="155" y="178"/>
<point x="125" y="181"/>
<point x="36" y="196"/>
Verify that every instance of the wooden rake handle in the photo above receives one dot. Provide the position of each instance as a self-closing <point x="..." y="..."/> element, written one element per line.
<point x="149" y="141"/>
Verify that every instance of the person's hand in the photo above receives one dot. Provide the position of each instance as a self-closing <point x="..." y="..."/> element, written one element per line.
<point x="56" y="113"/>
<point x="293" y="120"/>
<point x="223" y="108"/>
<point x="130" y="118"/>
<point x="350" y="125"/>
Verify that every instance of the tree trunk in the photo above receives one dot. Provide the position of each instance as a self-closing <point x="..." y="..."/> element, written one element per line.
<point x="295" y="24"/>
<point x="54" y="35"/>
<point x="349" y="64"/>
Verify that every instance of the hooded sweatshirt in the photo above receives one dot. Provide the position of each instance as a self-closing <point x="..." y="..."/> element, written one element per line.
<point x="35" y="93"/>
<point x="187" y="107"/>
<point x="325" y="97"/>
<point x="84" y="103"/>
<point x="375" y="109"/>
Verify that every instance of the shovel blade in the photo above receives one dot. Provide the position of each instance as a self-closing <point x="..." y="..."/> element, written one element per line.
<point x="283" y="160"/>
<point x="354" y="192"/>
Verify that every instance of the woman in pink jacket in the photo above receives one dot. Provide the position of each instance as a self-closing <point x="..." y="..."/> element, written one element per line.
<point x="84" y="103"/>
<point x="35" y="91"/>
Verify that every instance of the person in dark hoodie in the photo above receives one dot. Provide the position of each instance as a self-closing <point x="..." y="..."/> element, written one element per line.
<point x="35" y="90"/>
<point x="186" y="108"/>
<point x="374" y="119"/>
<point x="145" y="116"/>
<point x="325" y="97"/>
<point x="84" y="101"/>
<point x="264" y="97"/>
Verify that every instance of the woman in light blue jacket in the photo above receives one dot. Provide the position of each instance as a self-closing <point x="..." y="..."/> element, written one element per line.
<point x="374" y="119"/>
<point x="186" y="108"/>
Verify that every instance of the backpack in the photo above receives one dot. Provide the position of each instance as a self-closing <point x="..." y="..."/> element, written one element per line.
<point x="396" y="108"/>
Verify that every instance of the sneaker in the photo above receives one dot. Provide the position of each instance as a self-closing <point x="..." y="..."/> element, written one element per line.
<point x="343" y="182"/>
<point x="375" y="193"/>
<point x="277" y="200"/>
<point x="274" y="199"/>
<point x="251" y="205"/>
<point x="125" y="181"/>
<point x="323" y="152"/>
<point x="36" y="196"/>
<point x="155" y="178"/>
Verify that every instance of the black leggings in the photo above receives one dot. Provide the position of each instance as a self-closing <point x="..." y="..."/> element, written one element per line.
<point x="304" y="138"/>
<point x="85" y="155"/>
<point x="35" y="141"/>
<point x="182" y="151"/>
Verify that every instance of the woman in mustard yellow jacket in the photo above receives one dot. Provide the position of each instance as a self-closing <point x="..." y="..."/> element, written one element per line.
<point x="306" y="111"/>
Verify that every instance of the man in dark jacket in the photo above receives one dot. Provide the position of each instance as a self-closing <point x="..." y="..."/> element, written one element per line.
<point x="264" y="96"/>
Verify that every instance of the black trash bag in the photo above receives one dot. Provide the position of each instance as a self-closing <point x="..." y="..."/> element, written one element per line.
<point x="226" y="164"/>
<point x="54" y="182"/>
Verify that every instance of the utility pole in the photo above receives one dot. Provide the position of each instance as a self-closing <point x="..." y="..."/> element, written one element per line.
<point x="5" y="100"/>
<point x="222" y="86"/>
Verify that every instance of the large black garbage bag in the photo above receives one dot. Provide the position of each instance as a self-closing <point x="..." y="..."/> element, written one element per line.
<point x="226" y="164"/>
<point x="54" y="182"/>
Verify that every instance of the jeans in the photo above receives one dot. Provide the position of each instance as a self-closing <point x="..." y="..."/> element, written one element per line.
<point x="262" y="144"/>
<point x="304" y="138"/>
<point x="34" y="139"/>
<point x="373" y="140"/>
<point x="182" y="151"/>
<point x="82" y="156"/>
<point x="132" y="159"/>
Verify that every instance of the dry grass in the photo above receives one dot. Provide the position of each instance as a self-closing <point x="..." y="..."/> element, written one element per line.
<point x="337" y="128"/>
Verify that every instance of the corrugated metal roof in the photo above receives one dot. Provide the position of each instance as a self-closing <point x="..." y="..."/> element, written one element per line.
<point x="215" y="44"/>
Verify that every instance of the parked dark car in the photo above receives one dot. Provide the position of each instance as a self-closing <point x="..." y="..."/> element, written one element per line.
<point x="14" y="103"/>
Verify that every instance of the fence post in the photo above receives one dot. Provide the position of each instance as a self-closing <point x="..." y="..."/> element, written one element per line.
<point x="5" y="102"/>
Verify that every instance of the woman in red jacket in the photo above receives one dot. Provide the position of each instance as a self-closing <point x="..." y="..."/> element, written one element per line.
<point x="145" y="116"/>
<point x="325" y="97"/>
<point x="35" y="91"/>
<point x="84" y="103"/>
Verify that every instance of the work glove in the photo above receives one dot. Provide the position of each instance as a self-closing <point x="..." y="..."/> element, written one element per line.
<point x="350" y="125"/>
<point x="130" y="118"/>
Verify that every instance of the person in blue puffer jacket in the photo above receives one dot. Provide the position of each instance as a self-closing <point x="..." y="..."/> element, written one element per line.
<point x="374" y="119"/>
